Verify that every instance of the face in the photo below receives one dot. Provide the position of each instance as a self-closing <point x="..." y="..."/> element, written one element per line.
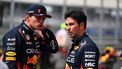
<point x="73" y="28"/>
<point x="36" y="22"/>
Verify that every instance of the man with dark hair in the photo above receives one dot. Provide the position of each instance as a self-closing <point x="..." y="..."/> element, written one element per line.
<point x="84" y="53"/>
<point x="23" y="45"/>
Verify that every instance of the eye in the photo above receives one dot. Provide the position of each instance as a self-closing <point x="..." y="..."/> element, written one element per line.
<point x="43" y="18"/>
<point x="40" y="17"/>
<point x="70" y="24"/>
<point x="65" y="24"/>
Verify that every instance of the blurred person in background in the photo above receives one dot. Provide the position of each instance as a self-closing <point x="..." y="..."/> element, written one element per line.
<point x="2" y="64"/>
<point x="63" y="42"/>
<point x="23" y="44"/>
<point x="62" y="39"/>
<point x="108" y="58"/>
<point x="83" y="54"/>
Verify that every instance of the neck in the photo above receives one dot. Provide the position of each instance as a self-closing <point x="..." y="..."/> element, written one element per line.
<point x="1" y="57"/>
<point x="81" y="34"/>
<point x="27" y="23"/>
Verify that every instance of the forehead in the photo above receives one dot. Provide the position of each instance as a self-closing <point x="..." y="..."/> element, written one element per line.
<point x="39" y="17"/>
<point x="70" y="20"/>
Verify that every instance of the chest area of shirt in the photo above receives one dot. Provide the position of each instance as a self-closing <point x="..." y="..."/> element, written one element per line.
<point x="30" y="49"/>
<point x="30" y="43"/>
<point x="73" y="55"/>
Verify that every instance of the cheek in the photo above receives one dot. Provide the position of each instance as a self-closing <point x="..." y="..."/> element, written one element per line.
<point x="31" y="21"/>
<point x="75" y="28"/>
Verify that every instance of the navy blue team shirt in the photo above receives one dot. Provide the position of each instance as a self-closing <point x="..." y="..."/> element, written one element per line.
<point x="83" y="54"/>
<point x="22" y="46"/>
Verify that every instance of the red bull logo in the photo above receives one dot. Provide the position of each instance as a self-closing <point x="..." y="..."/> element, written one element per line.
<point x="32" y="60"/>
<point x="70" y="67"/>
<point x="67" y="67"/>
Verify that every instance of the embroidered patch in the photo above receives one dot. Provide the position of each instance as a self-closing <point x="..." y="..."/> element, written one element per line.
<point x="76" y="47"/>
<point x="10" y="58"/>
<point x="10" y="53"/>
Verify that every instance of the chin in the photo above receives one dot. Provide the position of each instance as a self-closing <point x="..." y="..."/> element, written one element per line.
<point x="36" y="28"/>
<point x="71" y="37"/>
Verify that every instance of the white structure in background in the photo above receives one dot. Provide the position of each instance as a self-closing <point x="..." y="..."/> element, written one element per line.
<point x="103" y="15"/>
<point x="74" y="3"/>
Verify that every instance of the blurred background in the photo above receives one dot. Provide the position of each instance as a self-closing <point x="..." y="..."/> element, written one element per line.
<point x="104" y="26"/>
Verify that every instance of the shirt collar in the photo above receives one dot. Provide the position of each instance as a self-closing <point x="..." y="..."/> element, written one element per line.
<point x="27" y="28"/>
<point x="76" y="41"/>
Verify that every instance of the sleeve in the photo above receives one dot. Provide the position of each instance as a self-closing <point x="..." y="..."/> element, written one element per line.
<point x="50" y="40"/>
<point x="90" y="57"/>
<point x="9" y="47"/>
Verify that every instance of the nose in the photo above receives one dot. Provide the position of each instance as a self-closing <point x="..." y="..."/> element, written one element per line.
<point x="67" y="28"/>
<point x="41" y="20"/>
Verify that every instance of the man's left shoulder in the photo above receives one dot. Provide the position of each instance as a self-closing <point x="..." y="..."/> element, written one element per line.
<point x="89" y="44"/>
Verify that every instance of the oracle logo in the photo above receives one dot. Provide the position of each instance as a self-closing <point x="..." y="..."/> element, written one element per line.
<point x="32" y="51"/>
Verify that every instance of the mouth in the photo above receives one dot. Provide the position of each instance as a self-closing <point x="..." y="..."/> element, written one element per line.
<point x="40" y="25"/>
<point x="69" y="33"/>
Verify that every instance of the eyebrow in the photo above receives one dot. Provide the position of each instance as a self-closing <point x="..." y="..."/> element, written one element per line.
<point x="71" y="23"/>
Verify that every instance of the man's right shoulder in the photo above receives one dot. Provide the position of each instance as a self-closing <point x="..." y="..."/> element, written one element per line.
<point x="13" y="32"/>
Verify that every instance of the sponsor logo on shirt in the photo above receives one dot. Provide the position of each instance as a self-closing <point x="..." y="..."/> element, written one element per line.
<point x="11" y="39"/>
<point x="89" y="56"/>
<point x="76" y="47"/>
<point x="32" y="51"/>
<point x="89" y="68"/>
<point x="29" y="43"/>
<point x="10" y="53"/>
<point x="10" y="58"/>
<point x="11" y="43"/>
<point x="12" y="48"/>
<point x="71" y="57"/>
<point x="32" y="60"/>
<point x="83" y="43"/>
<point x="90" y="64"/>
<point x="35" y="38"/>
<point x="52" y="44"/>
<point x="27" y="37"/>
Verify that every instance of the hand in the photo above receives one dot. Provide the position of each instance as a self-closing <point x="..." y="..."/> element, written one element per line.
<point x="39" y="33"/>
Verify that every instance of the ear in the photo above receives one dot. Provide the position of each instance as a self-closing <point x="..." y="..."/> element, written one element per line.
<point x="27" y="17"/>
<point x="81" y="24"/>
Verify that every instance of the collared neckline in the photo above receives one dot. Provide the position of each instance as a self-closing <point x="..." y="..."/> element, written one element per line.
<point x="76" y="41"/>
<point x="27" y="28"/>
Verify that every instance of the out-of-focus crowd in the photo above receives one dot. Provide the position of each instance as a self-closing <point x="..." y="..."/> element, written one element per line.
<point x="109" y="57"/>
